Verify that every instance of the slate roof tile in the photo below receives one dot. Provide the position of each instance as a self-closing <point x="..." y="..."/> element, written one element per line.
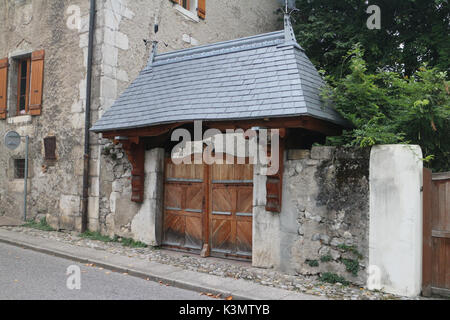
<point x="247" y="78"/>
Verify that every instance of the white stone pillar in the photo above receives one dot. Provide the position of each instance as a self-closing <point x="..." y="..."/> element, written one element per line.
<point x="266" y="226"/>
<point x="147" y="224"/>
<point x="395" y="235"/>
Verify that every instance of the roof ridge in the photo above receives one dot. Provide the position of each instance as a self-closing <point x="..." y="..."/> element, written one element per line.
<point x="204" y="49"/>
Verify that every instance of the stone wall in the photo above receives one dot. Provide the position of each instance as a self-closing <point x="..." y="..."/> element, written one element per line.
<point x="115" y="195"/>
<point x="118" y="215"/>
<point x="146" y="225"/>
<point x="54" y="186"/>
<point x="121" y="55"/>
<point x="324" y="223"/>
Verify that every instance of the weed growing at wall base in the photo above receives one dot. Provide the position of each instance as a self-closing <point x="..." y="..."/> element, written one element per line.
<point x="351" y="249"/>
<point x="126" y="242"/>
<point x="326" y="258"/>
<point x="312" y="263"/>
<point x="41" y="225"/>
<point x="96" y="236"/>
<point x="351" y="265"/>
<point x="333" y="278"/>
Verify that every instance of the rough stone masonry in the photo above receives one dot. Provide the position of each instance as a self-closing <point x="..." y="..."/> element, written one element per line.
<point x="324" y="223"/>
<point x="119" y="55"/>
<point x="323" y="226"/>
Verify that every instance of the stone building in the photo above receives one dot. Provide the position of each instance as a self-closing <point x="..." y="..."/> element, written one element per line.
<point x="314" y="215"/>
<point x="57" y="33"/>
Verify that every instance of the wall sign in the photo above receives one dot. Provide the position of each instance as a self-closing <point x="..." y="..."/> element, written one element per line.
<point x="12" y="140"/>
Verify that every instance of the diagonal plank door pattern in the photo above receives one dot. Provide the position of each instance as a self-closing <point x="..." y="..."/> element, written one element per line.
<point x="209" y="205"/>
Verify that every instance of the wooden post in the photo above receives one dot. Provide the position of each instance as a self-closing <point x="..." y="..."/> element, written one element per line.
<point x="427" y="239"/>
<point x="274" y="184"/>
<point x="206" y="250"/>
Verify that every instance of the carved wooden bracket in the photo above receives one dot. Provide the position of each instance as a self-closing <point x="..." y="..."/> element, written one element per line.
<point x="135" y="150"/>
<point x="274" y="184"/>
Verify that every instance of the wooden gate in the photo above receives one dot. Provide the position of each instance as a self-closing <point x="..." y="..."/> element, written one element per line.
<point x="231" y="210"/>
<point x="209" y="208"/>
<point x="184" y="206"/>
<point x="436" y="234"/>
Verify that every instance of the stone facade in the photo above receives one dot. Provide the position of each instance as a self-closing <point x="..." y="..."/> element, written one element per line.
<point x="123" y="55"/>
<point x="55" y="187"/>
<point x="324" y="223"/>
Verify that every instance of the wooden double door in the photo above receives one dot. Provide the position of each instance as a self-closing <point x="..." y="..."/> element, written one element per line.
<point x="208" y="209"/>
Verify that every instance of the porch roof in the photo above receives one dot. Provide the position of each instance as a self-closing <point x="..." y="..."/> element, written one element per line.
<point x="263" y="76"/>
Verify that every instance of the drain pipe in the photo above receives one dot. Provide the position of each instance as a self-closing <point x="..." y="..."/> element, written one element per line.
<point x="87" y="124"/>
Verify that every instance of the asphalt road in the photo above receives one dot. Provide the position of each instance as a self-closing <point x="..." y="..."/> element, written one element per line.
<point x="29" y="275"/>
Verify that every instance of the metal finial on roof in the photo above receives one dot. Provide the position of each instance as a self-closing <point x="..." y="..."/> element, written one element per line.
<point x="289" y="35"/>
<point x="289" y="4"/>
<point x="153" y="53"/>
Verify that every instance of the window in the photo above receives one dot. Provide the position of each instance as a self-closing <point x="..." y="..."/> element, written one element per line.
<point x="186" y="4"/>
<point x="23" y="85"/>
<point x="19" y="168"/>
<point x="192" y="8"/>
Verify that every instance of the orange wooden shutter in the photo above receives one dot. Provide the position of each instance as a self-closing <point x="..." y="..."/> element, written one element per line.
<point x="202" y="8"/>
<point x="37" y="81"/>
<point x="3" y="87"/>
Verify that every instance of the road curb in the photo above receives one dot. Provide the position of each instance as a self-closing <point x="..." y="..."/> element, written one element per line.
<point x="132" y="272"/>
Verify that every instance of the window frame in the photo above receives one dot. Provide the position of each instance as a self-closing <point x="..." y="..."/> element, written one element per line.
<point x="191" y="12"/>
<point x="19" y="85"/>
<point x="188" y="4"/>
<point x="18" y="176"/>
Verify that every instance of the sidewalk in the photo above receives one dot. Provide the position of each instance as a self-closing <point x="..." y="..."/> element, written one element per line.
<point x="7" y="221"/>
<point x="239" y="289"/>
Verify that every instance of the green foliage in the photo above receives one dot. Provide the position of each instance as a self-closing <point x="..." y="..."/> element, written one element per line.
<point x="330" y="277"/>
<point x="412" y="32"/>
<point x="386" y="108"/>
<point x="351" y="249"/>
<point x="96" y="236"/>
<point x="107" y="150"/>
<point x="326" y="258"/>
<point x="41" y="225"/>
<point x="351" y="265"/>
<point x="126" y="242"/>
<point x="398" y="93"/>
<point x="312" y="263"/>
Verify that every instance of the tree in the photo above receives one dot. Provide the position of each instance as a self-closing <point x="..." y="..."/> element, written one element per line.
<point x="387" y="108"/>
<point x="412" y="32"/>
